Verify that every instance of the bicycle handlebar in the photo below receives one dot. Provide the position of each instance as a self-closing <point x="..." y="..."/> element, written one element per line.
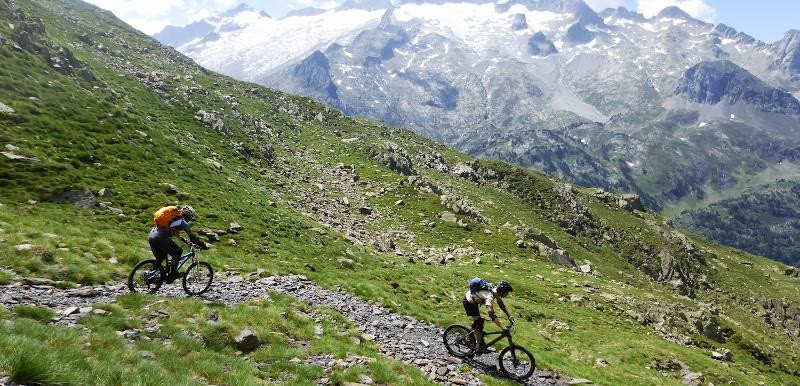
<point x="187" y="242"/>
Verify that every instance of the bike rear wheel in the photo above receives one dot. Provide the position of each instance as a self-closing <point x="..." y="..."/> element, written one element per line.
<point x="459" y="341"/>
<point x="517" y="362"/>
<point x="198" y="278"/>
<point x="146" y="276"/>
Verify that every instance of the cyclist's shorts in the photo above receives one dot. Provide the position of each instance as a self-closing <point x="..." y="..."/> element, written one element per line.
<point x="471" y="308"/>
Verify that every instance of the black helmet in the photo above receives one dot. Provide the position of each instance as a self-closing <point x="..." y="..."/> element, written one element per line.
<point x="503" y="286"/>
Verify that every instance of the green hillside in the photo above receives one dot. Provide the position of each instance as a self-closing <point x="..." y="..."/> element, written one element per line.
<point x="603" y="290"/>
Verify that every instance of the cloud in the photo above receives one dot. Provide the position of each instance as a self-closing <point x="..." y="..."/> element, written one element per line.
<point x="699" y="9"/>
<point x="150" y="16"/>
<point x="599" y="5"/>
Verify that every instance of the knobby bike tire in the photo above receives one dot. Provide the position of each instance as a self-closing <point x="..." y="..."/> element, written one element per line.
<point x="208" y="276"/>
<point x="459" y="341"/>
<point x="139" y="269"/>
<point x="522" y="355"/>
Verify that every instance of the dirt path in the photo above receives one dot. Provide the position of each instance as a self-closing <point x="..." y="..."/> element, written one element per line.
<point x="398" y="336"/>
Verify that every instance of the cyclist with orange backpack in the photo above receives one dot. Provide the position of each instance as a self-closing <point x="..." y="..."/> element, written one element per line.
<point x="170" y="221"/>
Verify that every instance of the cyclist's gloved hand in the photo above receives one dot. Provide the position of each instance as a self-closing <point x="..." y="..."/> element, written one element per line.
<point x="511" y="318"/>
<point x="196" y="241"/>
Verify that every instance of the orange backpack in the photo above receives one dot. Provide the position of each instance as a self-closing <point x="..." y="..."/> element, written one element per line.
<point x="164" y="216"/>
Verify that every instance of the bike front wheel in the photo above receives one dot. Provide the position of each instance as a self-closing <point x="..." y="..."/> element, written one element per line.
<point x="146" y="276"/>
<point x="459" y="341"/>
<point x="198" y="278"/>
<point x="517" y="363"/>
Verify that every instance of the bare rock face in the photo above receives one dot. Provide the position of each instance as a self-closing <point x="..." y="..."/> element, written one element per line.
<point x="80" y="198"/>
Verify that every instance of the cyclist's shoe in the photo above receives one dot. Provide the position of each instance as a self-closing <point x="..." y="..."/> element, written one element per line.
<point x="484" y="350"/>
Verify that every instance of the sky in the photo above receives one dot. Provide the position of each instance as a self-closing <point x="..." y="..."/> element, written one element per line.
<point x="766" y="20"/>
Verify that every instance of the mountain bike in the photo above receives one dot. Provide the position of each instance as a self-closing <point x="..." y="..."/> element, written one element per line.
<point x="515" y="361"/>
<point x="148" y="275"/>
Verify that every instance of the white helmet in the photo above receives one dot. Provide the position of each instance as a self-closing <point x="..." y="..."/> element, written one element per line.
<point x="188" y="212"/>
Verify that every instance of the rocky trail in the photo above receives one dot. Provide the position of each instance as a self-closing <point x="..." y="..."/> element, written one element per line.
<point x="400" y="337"/>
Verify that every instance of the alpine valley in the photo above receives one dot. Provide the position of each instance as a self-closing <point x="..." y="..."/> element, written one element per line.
<point x="682" y="112"/>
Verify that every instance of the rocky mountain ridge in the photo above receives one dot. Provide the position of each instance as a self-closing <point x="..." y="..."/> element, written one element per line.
<point x="591" y="97"/>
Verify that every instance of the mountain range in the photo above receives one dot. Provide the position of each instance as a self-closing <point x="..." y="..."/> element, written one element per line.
<point x="683" y="112"/>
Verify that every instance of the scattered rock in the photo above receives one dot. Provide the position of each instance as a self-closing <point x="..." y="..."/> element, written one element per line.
<point x="5" y="109"/>
<point x="630" y="202"/>
<point x="81" y="198"/>
<point x="247" y="341"/>
<point x="580" y="381"/>
<point x="168" y="188"/>
<point x="448" y="217"/>
<point x="234" y="227"/>
<point x="212" y="120"/>
<point x="23" y="247"/>
<point x="365" y="210"/>
<point x="147" y="354"/>
<point x="722" y="355"/>
<point x="600" y="362"/>
<point x="692" y="378"/>
<point x="395" y="158"/>
<point x="558" y="326"/>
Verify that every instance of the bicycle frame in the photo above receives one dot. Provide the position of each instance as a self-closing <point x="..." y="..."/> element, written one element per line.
<point x="499" y="338"/>
<point x="186" y="257"/>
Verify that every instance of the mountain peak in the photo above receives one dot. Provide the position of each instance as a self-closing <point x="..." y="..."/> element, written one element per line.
<point x="674" y="13"/>
<point x="711" y="82"/>
<point x="788" y="50"/>
<point x="622" y="13"/>
<point x="235" y="11"/>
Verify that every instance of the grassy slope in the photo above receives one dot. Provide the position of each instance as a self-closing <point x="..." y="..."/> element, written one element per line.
<point x="139" y="145"/>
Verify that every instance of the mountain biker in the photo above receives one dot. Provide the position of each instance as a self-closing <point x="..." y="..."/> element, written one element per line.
<point x="487" y="296"/>
<point x="170" y="221"/>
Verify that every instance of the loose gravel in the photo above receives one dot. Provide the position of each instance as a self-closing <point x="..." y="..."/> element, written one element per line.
<point x="398" y="336"/>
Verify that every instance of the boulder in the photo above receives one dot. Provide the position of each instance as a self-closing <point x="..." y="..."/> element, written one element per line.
<point x="395" y="158"/>
<point x="557" y="256"/>
<point x="234" y="227"/>
<point x="792" y="272"/>
<point x="168" y="188"/>
<point x="80" y="198"/>
<point x="213" y="121"/>
<point x="722" y="355"/>
<point x="5" y="109"/>
<point x="448" y="217"/>
<point x="630" y="202"/>
<point x="23" y="247"/>
<point x="247" y="341"/>
<point x="466" y="172"/>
